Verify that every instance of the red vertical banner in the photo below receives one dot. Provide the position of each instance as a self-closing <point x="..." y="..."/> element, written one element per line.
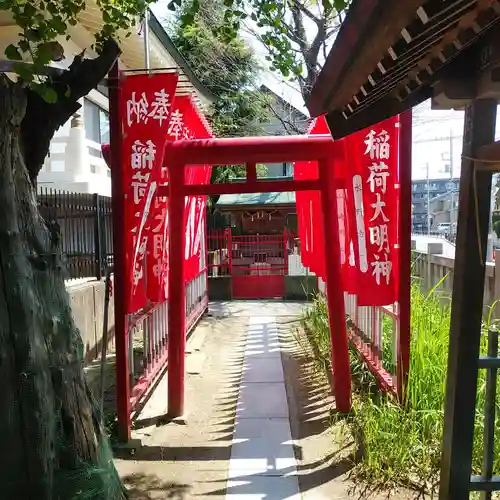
<point x="198" y="252"/>
<point x="373" y="184"/>
<point x="186" y="122"/>
<point x="344" y="209"/>
<point x="301" y="208"/>
<point x="195" y="127"/>
<point x="158" y="244"/>
<point x="145" y="102"/>
<point x="315" y="218"/>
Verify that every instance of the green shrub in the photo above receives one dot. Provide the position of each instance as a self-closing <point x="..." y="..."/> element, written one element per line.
<point x="496" y="228"/>
<point x="401" y="443"/>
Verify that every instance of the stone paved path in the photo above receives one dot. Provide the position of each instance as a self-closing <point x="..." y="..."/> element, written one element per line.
<point x="258" y="423"/>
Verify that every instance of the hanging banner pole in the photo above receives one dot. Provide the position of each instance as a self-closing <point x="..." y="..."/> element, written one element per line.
<point x="146" y="39"/>
<point x="119" y="257"/>
<point x="404" y="259"/>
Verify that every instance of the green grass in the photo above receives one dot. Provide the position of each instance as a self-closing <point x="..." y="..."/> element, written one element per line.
<point x="401" y="443"/>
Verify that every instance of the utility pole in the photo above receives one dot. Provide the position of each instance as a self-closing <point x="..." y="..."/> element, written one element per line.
<point x="145" y="27"/>
<point x="450" y="185"/>
<point x="428" y="200"/>
<point x="451" y="182"/>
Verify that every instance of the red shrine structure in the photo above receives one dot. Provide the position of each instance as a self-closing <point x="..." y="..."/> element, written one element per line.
<point x="354" y="233"/>
<point x="353" y="199"/>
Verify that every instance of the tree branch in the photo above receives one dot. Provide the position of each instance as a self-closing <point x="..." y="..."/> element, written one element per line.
<point x="290" y="127"/>
<point x="308" y="13"/>
<point x="299" y="27"/>
<point x="42" y="119"/>
<point x="300" y="41"/>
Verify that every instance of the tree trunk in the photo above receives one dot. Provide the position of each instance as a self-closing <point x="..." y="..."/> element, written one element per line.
<point x="52" y="444"/>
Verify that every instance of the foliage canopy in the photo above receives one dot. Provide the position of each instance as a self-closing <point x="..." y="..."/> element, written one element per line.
<point x="42" y="23"/>
<point x="296" y="33"/>
<point x="284" y="27"/>
<point x="228" y="68"/>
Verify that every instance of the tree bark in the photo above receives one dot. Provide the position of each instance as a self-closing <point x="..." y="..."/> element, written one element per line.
<point x="53" y="446"/>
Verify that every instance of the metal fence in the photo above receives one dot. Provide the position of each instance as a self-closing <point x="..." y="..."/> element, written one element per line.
<point x="374" y="331"/>
<point x="84" y="222"/>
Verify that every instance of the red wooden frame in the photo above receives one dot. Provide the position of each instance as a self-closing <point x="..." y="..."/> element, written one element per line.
<point x="120" y="269"/>
<point x="250" y="151"/>
<point x="178" y="154"/>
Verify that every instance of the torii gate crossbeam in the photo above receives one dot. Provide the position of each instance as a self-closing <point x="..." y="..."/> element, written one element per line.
<point x="250" y="151"/>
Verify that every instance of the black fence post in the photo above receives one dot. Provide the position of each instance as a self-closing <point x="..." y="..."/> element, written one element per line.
<point x="97" y="237"/>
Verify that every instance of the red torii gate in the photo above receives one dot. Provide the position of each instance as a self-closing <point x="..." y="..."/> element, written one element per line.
<point x="250" y="151"/>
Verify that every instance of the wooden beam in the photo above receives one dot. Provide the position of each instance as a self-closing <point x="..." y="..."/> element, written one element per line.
<point x="467" y="304"/>
<point x="490" y="154"/>
<point x="370" y="28"/>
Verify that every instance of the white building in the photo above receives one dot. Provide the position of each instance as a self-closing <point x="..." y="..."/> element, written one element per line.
<point x="75" y="161"/>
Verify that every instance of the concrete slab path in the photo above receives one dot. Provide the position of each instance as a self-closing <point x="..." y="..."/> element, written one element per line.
<point x="262" y="464"/>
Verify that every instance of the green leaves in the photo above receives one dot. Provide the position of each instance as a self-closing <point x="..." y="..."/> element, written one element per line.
<point x="13" y="53"/>
<point x="225" y="65"/>
<point x="286" y="28"/>
<point x="24" y="72"/>
<point x="340" y="5"/>
<point x="47" y="93"/>
<point x="42" y="22"/>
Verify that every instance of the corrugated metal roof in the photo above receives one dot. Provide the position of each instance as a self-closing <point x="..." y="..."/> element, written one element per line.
<point x="253" y="199"/>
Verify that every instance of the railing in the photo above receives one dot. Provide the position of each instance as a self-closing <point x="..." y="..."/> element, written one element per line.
<point x="148" y="337"/>
<point x="374" y="331"/>
<point x="84" y="224"/>
<point x="196" y="299"/>
<point x="258" y="255"/>
<point x="219" y="256"/>
<point x="282" y="248"/>
<point x="487" y="482"/>
<point x="450" y="237"/>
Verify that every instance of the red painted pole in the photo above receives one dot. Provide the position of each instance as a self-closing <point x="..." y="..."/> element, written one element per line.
<point x="229" y="240"/>
<point x="335" y="290"/>
<point x="404" y="260"/>
<point x="120" y="269"/>
<point x="252" y="172"/>
<point x="177" y="292"/>
<point x="207" y="252"/>
<point x="285" y="251"/>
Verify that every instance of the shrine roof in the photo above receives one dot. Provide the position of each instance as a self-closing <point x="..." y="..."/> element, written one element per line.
<point x="390" y="55"/>
<point x="255" y="199"/>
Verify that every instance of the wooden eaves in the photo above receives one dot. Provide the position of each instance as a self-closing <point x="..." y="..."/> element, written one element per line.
<point x="390" y="55"/>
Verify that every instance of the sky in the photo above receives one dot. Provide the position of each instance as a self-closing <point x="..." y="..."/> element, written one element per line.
<point x="432" y="129"/>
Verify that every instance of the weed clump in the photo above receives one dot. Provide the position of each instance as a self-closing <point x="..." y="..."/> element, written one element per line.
<point x="400" y="443"/>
